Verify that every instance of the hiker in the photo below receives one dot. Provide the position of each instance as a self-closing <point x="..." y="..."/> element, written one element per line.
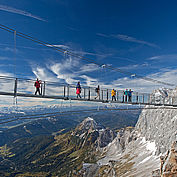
<point x="126" y="95"/>
<point x="113" y="94"/>
<point x="78" y="90"/>
<point x="37" y="84"/>
<point x="130" y="95"/>
<point x="97" y="90"/>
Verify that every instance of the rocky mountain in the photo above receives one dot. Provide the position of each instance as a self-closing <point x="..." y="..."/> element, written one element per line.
<point x="164" y="96"/>
<point x="91" y="150"/>
<point x="139" y="152"/>
<point x="59" y="155"/>
<point x="57" y="124"/>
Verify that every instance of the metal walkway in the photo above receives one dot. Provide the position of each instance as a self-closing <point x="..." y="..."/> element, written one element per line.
<point x="18" y="87"/>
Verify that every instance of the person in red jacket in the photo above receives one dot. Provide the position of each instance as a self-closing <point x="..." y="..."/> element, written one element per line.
<point x="78" y="90"/>
<point x="37" y="84"/>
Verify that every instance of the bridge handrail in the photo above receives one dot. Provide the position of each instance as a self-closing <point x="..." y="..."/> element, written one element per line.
<point x="68" y="85"/>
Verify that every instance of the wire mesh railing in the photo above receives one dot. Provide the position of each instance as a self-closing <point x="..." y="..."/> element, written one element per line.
<point x="26" y="87"/>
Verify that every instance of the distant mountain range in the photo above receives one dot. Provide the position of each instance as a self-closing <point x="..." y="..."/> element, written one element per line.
<point x="57" y="124"/>
<point x="59" y="155"/>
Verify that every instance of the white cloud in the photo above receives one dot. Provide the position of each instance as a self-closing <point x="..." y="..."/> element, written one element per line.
<point x="141" y="85"/>
<point x="163" y="57"/>
<point x="2" y="73"/>
<point x="65" y="70"/>
<point x="70" y="70"/>
<point x="132" y="39"/>
<point x="20" y="12"/>
<point x="90" y="81"/>
<point x="5" y="58"/>
<point x="89" y="68"/>
<point x="59" y="46"/>
<point x="136" y="66"/>
<point x="43" y="74"/>
<point x="8" y="49"/>
<point x="103" y="35"/>
<point x="129" y="39"/>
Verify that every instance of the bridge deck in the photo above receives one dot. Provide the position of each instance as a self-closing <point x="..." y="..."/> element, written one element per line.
<point x="81" y="99"/>
<point x="53" y="90"/>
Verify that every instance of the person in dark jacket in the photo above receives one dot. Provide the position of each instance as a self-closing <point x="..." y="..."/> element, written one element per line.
<point x="78" y="90"/>
<point x="37" y="84"/>
<point x="97" y="90"/>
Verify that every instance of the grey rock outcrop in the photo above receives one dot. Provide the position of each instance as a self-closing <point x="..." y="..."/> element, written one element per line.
<point x="159" y="125"/>
<point x="102" y="136"/>
<point x="138" y="150"/>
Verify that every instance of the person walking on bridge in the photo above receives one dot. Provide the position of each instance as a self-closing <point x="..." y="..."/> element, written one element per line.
<point x="126" y="95"/>
<point x="130" y="95"/>
<point x="113" y="94"/>
<point x="78" y="90"/>
<point x="37" y="84"/>
<point x="97" y="90"/>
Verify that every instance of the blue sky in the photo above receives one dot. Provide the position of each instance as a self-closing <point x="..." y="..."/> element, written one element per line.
<point x="135" y="36"/>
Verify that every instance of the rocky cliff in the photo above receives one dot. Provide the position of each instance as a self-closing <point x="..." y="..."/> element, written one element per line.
<point x="158" y="125"/>
<point x="137" y="152"/>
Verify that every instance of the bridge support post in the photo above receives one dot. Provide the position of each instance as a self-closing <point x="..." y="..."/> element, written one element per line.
<point x="89" y="94"/>
<point x="64" y="94"/>
<point x="102" y="95"/>
<point x="136" y="97"/>
<point x="84" y="93"/>
<point x="107" y="95"/>
<point x="143" y="98"/>
<point x="43" y="90"/>
<point x="15" y="88"/>
<point x="148" y="99"/>
<point x="68" y="91"/>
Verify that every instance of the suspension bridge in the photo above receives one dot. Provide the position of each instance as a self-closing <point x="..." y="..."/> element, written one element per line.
<point x="18" y="87"/>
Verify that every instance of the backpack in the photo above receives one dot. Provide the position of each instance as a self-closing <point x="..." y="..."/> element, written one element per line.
<point x="96" y="90"/>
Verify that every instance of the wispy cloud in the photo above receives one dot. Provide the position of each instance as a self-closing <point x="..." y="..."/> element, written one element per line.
<point x="90" y="81"/>
<point x="9" y="49"/>
<point x="80" y="52"/>
<point x="43" y="74"/>
<point x="5" y="58"/>
<point x="129" y="39"/>
<point x="20" y="12"/>
<point x="132" y="39"/>
<point x="89" y="68"/>
<point x="163" y="57"/>
<point x="59" y="46"/>
<point x="135" y="66"/>
<point x="141" y="85"/>
<point x="69" y="70"/>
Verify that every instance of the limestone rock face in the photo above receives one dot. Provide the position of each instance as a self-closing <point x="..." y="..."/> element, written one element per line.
<point x="136" y="152"/>
<point x="89" y="129"/>
<point x="159" y="125"/>
<point x="144" y="150"/>
<point x="169" y="162"/>
<point x="105" y="137"/>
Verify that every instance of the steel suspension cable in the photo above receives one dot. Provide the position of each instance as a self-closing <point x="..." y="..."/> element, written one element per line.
<point x="81" y="57"/>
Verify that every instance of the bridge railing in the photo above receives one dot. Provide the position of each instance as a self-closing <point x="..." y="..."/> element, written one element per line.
<point x="7" y="84"/>
<point x="16" y="86"/>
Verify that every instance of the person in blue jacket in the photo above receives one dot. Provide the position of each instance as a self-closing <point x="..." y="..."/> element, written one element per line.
<point x="130" y="95"/>
<point x="126" y="95"/>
